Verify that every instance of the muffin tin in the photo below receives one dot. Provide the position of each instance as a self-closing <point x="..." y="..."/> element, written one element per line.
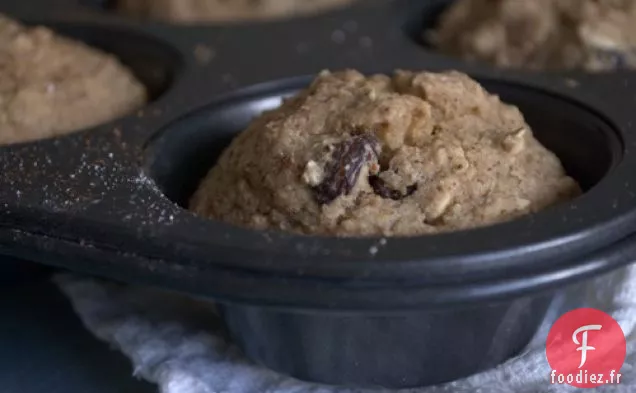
<point x="398" y="312"/>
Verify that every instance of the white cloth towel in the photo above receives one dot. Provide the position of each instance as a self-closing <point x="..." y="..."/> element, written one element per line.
<point x="175" y="341"/>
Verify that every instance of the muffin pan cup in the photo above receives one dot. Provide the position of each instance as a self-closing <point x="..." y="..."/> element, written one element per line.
<point x="398" y="312"/>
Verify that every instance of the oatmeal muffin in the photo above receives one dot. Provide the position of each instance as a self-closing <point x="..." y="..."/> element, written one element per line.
<point x="412" y="154"/>
<point x="595" y="35"/>
<point x="184" y="11"/>
<point x="51" y="85"/>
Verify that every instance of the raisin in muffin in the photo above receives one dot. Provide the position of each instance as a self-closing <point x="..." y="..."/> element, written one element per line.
<point x="52" y="85"/>
<point x="595" y="35"/>
<point x="411" y="154"/>
<point x="190" y="11"/>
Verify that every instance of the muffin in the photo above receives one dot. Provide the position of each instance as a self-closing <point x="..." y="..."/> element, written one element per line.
<point x="411" y="154"/>
<point x="594" y="35"/>
<point x="190" y="11"/>
<point x="52" y="85"/>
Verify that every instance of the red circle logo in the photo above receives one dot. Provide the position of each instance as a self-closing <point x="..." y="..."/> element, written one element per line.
<point x="586" y="348"/>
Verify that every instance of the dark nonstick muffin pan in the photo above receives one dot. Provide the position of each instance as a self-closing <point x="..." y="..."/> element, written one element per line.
<point x="395" y="312"/>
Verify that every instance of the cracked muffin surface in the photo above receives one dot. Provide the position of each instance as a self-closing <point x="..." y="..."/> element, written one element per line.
<point x="411" y="154"/>
<point x="185" y="11"/>
<point x="51" y="85"/>
<point x="595" y="35"/>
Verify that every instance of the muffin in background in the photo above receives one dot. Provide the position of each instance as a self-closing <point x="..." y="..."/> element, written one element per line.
<point x="52" y="85"/>
<point x="595" y="35"/>
<point x="192" y="11"/>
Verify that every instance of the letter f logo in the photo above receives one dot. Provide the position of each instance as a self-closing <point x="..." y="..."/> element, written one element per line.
<point x="584" y="347"/>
